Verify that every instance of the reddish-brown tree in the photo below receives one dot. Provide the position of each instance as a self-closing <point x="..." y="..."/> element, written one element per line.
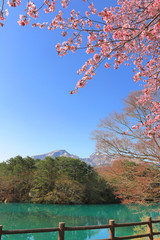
<point x="133" y="182"/>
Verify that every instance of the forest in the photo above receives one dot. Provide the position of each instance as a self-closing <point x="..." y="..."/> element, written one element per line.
<point x="65" y="180"/>
<point x="59" y="181"/>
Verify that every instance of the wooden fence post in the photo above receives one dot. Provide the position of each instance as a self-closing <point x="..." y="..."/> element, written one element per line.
<point x="111" y="229"/>
<point x="1" y="231"/>
<point x="61" y="231"/>
<point x="149" y="228"/>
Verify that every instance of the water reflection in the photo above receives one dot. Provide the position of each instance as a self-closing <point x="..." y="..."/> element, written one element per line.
<point x="23" y="216"/>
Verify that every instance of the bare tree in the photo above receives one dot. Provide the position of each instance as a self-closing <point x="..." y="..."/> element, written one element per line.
<point x="120" y="136"/>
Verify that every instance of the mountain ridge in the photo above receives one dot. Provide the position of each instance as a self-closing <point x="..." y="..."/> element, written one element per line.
<point x="95" y="159"/>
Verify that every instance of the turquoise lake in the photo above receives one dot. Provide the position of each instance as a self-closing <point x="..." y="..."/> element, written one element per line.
<point x="25" y="216"/>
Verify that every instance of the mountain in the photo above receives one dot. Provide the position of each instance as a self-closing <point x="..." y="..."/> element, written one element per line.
<point x="95" y="159"/>
<point x="56" y="153"/>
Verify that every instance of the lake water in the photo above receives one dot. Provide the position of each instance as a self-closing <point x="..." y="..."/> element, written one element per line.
<point x="25" y="216"/>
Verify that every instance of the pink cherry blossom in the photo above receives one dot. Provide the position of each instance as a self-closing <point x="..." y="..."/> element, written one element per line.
<point x="14" y="3"/>
<point x="23" y="20"/>
<point x="6" y="12"/>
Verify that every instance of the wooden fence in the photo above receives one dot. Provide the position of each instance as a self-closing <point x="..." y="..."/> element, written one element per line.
<point x="112" y="226"/>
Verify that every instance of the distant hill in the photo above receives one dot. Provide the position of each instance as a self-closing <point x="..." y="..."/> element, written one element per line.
<point x="56" y="153"/>
<point x="95" y="159"/>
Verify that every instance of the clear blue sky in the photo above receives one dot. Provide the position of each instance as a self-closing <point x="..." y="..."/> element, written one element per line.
<point x="37" y="113"/>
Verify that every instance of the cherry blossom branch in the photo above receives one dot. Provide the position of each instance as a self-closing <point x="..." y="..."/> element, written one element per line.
<point x="127" y="33"/>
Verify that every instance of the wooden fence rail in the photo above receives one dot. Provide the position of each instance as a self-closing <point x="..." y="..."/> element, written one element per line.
<point x="112" y="227"/>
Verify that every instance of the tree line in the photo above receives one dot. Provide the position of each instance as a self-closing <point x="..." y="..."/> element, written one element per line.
<point x="59" y="181"/>
<point x="65" y="180"/>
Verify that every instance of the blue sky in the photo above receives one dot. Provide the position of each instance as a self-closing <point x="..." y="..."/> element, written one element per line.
<point x="37" y="113"/>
